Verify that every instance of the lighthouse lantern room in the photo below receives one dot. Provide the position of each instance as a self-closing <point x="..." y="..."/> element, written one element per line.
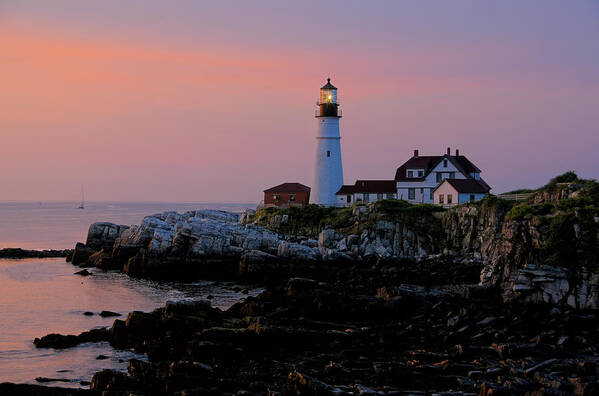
<point x="328" y="175"/>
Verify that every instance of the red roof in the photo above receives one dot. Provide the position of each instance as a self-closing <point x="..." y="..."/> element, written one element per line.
<point x="288" y="188"/>
<point x="428" y="162"/>
<point x="370" y="187"/>
<point x="468" y="186"/>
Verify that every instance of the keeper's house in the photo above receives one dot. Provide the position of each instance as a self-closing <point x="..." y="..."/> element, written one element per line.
<point x="418" y="177"/>
<point x="287" y="194"/>
<point x="366" y="191"/>
<point x="453" y="192"/>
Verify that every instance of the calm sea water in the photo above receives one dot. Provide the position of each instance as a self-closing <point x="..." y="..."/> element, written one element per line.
<point x="58" y="225"/>
<point x="41" y="296"/>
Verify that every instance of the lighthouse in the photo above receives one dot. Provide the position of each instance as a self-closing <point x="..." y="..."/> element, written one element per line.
<point x="328" y="172"/>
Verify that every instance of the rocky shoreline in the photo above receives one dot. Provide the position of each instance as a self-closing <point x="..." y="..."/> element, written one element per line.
<point x="18" y="253"/>
<point x="380" y="299"/>
<point x="312" y="337"/>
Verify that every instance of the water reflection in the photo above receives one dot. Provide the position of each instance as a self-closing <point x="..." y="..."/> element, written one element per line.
<point x="40" y="296"/>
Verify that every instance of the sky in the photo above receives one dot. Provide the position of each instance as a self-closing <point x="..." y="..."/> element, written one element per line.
<point x="193" y="101"/>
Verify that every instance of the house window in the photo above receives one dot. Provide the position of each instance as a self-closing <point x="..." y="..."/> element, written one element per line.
<point x="411" y="193"/>
<point x="420" y="173"/>
<point x="430" y="194"/>
<point x="379" y="196"/>
<point x="328" y="153"/>
<point x="449" y="197"/>
<point x="276" y="197"/>
<point x="410" y="174"/>
<point x="441" y="199"/>
<point x="366" y="198"/>
<point x="439" y="177"/>
<point x="349" y="199"/>
<point x="390" y="196"/>
<point x="444" y="163"/>
<point x="471" y="197"/>
<point x="452" y="175"/>
<point x="292" y="198"/>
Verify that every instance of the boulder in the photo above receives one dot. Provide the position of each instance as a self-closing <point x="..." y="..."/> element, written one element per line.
<point x="81" y="254"/>
<point x="59" y="341"/>
<point x="110" y="380"/>
<point x="297" y="252"/>
<point x="256" y="263"/>
<point x="326" y="238"/>
<point x="103" y="234"/>
<point x="103" y="260"/>
<point x="107" y="314"/>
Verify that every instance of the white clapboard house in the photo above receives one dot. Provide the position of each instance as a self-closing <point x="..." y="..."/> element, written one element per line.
<point x="417" y="178"/>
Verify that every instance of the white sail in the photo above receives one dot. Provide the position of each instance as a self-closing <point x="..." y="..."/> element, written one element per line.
<point x="82" y="204"/>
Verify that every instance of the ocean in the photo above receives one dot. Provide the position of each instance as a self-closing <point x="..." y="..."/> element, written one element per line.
<point x="59" y="225"/>
<point x="41" y="296"/>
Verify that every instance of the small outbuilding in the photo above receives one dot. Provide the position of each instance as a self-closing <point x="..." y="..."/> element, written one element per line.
<point x="287" y="194"/>
<point x="366" y="191"/>
<point x="453" y="192"/>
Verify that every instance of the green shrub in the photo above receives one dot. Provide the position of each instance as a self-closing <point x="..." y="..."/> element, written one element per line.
<point x="568" y="177"/>
<point x="520" y="211"/>
<point x="494" y="202"/>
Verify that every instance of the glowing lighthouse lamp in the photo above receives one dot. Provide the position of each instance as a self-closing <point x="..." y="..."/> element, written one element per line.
<point x="328" y="175"/>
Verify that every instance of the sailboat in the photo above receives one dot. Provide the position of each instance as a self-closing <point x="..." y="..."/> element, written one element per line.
<point x="82" y="204"/>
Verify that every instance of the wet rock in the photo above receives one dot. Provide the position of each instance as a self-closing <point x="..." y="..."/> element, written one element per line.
<point x="103" y="260"/>
<point x="83" y="272"/>
<point x="18" y="253"/>
<point x="59" y="341"/>
<point x="301" y="384"/>
<point x="81" y="254"/>
<point x="110" y="380"/>
<point x="46" y="379"/>
<point x="107" y="314"/>
<point x="39" y="390"/>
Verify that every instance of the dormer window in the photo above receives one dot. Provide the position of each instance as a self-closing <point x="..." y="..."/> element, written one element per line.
<point x="420" y="173"/>
<point x="410" y="174"/>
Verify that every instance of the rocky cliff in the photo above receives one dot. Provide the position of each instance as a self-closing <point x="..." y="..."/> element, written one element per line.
<point x="544" y="249"/>
<point x="208" y="243"/>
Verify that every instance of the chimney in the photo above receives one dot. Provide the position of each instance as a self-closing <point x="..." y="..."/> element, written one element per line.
<point x="457" y="152"/>
<point x="415" y="153"/>
<point x="448" y="150"/>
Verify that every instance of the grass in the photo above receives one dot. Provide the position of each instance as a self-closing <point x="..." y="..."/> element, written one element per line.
<point x="306" y="220"/>
<point x="392" y="206"/>
<point x="524" y="210"/>
<point x="309" y="220"/>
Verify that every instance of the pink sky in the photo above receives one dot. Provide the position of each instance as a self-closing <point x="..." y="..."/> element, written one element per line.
<point x="203" y="104"/>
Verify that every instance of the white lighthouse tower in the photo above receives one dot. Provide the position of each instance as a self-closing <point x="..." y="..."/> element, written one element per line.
<point x="328" y="175"/>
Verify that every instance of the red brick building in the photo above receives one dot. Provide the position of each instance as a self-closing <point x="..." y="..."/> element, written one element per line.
<point x="287" y="194"/>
